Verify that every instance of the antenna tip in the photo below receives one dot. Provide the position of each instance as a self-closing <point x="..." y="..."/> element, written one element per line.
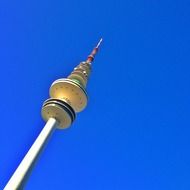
<point x="100" y="41"/>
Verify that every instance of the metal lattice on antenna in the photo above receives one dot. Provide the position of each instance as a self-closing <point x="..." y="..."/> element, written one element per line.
<point x="67" y="97"/>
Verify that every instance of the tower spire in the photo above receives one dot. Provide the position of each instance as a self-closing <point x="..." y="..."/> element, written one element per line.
<point x="91" y="57"/>
<point x="81" y="73"/>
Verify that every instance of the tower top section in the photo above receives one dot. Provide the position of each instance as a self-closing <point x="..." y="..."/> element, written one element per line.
<point x="68" y="95"/>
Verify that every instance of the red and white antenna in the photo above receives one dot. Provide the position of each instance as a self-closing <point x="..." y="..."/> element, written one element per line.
<point x="91" y="57"/>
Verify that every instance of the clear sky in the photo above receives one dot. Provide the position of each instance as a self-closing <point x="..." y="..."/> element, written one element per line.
<point x="134" y="134"/>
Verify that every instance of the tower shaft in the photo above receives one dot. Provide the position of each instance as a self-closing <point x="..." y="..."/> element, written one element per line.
<point x="21" y="174"/>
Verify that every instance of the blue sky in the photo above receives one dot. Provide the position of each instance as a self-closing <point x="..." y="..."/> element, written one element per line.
<point x="134" y="134"/>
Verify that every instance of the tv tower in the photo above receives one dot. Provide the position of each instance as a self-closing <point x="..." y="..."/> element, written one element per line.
<point x="68" y="96"/>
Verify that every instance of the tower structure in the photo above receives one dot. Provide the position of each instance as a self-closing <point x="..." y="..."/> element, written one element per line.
<point x="68" y="96"/>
